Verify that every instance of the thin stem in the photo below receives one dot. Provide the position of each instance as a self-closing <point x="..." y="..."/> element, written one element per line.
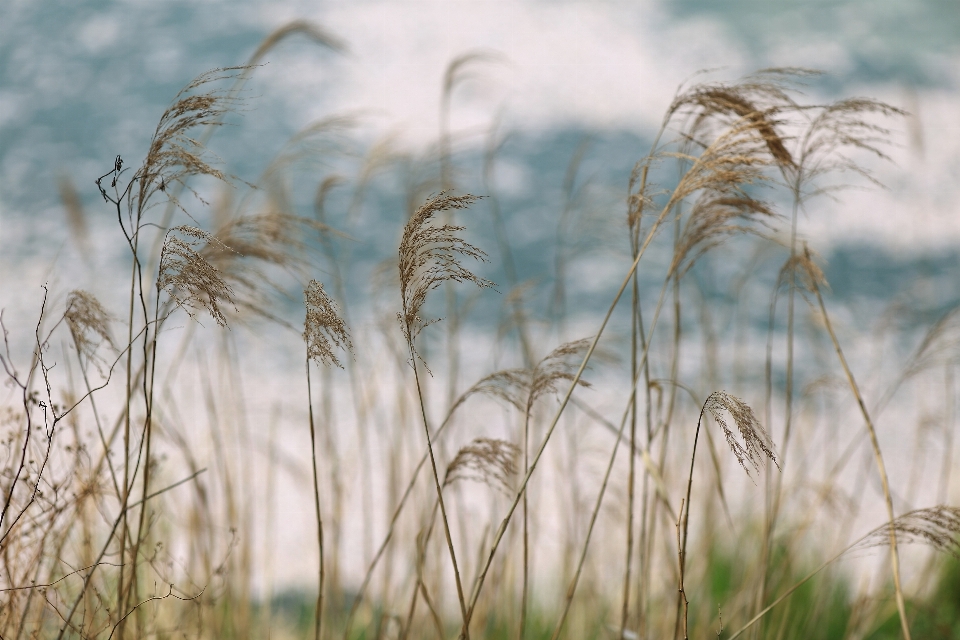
<point x="318" y="617"/>
<point x="443" y="510"/>
<point x="681" y="554"/>
<point x="423" y="539"/>
<point x="686" y="519"/>
<point x="526" y="533"/>
<point x="358" y="598"/>
<point x="149" y="355"/>
<point x="644" y="454"/>
<point x="125" y="498"/>
<point x="644" y="505"/>
<point x="571" y="590"/>
<point x="802" y="582"/>
<point x="878" y="456"/>
<point x="106" y="545"/>
<point x="768" y="513"/>
<point x="563" y="404"/>
<point x="949" y="418"/>
<point x="631" y="479"/>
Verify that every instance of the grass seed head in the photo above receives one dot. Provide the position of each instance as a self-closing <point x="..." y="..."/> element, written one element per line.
<point x="189" y="279"/>
<point x="559" y="365"/>
<point x="323" y="329"/>
<point x="260" y="244"/>
<point x="174" y="154"/>
<point x="807" y="273"/>
<point x="487" y="460"/>
<point x="88" y="321"/>
<point x="937" y="526"/>
<point x="759" y="100"/>
<point x="756" y="443"/>
<point x="714" y="219"/>
<point x="429" y="256"/>
<point x="510" y="385"/>
<point x="940" y="345"/>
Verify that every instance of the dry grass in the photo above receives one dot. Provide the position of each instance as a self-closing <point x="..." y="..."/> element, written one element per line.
<point x="125" y="516"/>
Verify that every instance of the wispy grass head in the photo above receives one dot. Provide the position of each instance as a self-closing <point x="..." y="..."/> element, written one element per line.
<point x="732" y="162"/>
<point x="807" y="274"/>
<point x="261" y="243"/>
<point x="323" y="329"/>
<point x="430" y="255"/>
<point x="88" y="322"/>
<point x="714" y="219"/>
<point x="190" y="280"/>
<point x="174" y="155"/>
<point x="758" y="100"/>
<point x="837" y="129"/>
<point x="756" y="443"/>
<point x="487" y="460"/>
<point x="937" y="526"/>
<point x="939" y="346"/>
<point x="558" y="366"/>
<point x="510" y="385"/>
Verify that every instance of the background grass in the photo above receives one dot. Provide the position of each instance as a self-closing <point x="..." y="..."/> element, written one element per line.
<point x="144" y="394"/>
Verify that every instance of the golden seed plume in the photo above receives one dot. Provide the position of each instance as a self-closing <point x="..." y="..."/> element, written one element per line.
<point x="510" y="385"/>
<point x="311" y="30"/>
<point x="836" y="130"/>
<point x="259" y="242"/>
<point x="808" y="274"/>
<point x="522" y="387"/>
<point x="758" y="100"/>
<point x="939" y="346"/>
<point x="712" y="220"/>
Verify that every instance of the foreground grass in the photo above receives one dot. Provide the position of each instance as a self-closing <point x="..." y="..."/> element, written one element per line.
<point x="631" y="485"/>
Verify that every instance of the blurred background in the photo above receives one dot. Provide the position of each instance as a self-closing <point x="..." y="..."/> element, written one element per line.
<point x="547" y="112"/>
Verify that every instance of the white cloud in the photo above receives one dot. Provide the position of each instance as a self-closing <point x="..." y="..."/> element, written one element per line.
<point x="592" y="65"/>
<point x="99" y="33"/>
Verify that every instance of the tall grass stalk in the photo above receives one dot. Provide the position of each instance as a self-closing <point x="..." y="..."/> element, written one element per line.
<point x="85" y="534"/>
<point x="815" y="280"/>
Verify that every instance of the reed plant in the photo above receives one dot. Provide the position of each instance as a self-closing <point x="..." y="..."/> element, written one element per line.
<point x="124" y="517"/>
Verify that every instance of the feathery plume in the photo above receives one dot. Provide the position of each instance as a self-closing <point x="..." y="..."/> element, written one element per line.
<point x="714" y="219"/>
<point x="174" y="156"/>
<point x="557" y="367"/>
<point x="510" y="385"/>
<point x="190" y="280"/>
<point x="487" y="460"/>
<point x="429" y="256"/>
<point x="86" y="318"/>
<point x="940" y="345"/>
<point x="937" y="526"/>
<point x="323" y="329"/>
<point x="757" y="100"/>
<point x="756" y="442"/>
